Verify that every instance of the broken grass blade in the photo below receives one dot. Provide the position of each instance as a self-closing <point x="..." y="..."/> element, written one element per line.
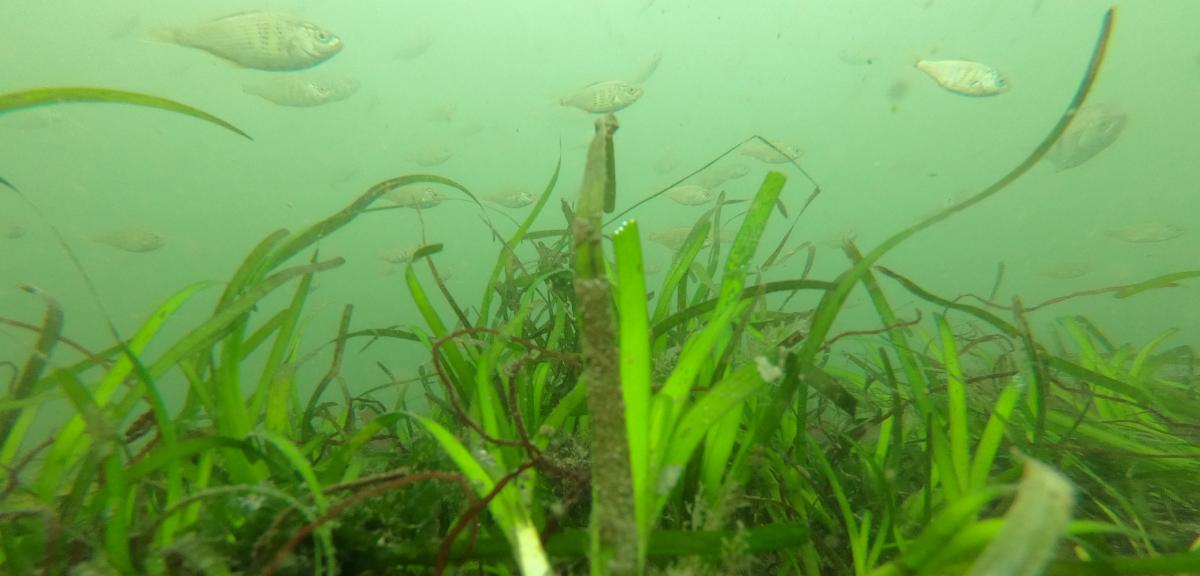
<point x="1037" y="520"/>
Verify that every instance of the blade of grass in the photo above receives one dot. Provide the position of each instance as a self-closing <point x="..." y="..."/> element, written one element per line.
<point x="23" y="99"/>
<point x="635" y="360"/>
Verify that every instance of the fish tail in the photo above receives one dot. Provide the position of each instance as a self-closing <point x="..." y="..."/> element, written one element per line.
<point x="165" y="35"/>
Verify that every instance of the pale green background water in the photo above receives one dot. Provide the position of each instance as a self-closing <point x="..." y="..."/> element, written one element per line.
<point x="791" y="70"/>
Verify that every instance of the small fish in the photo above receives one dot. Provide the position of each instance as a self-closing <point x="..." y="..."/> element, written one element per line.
<point x="399" y="254"/>
<point x="761" y="151"/>
<point x="415" y="196"/>
<point x="667" y="162"/>
<point x="647" y="69"/>
<point x="1146" y="232"/>
<point x="413" y="46"/>
<point x="1094" y="128"/>
<point x="690" y="194"/>
<point x="964" y="77"/>
<point x="12" y="231"/>
<point x="1064" y="270"/>
<point x="858" y="56"/>
<point x="432" y="155"/>
<point x="673" y="238"/>
<point x="131" y="239"/>
<point x="717" y="175"/>
<point x="511" y="198"/>
<point x="262" y="39"/>
<point x="604" y="97"/>
<point x="303" y="90"/>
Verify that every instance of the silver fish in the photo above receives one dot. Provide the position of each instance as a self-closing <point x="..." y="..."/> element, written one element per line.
<point x="717" y="175"/>
<point x="413" y="46"/>
<point x="964" y="77"/>
<point x="1094" y="128"/>
<point x="690" y="194"/>
<point x="399" y="254"/>
<point x="263" y="39"/>
<point x="131" y="239"/>
<point x="673" y="238"/>
<point x="604" y="97"/>
<point x="415" y="196"/>
<point x="511" y="198"/>
<point x="760" y="151"/>
<point x="12" y="231"/>
<point x="431" y="155"/>
<point x="303" y="90"/>
<point x="1146" y="232"/>
<point x="1063" y="270"/>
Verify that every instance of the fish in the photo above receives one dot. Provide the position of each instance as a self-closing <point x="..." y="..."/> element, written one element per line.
<point x="965" y="77"/>
<point x="413" y="46"/>
<point x="764" y="153"/>
<point x="1146" y="232"/>
<point x="604" y="97"/>
<point x="647" y="69"/>
<point x="1094" y="128"/>
<point x="858" y="56"/>
<point x="1063" y="270"/>
<point x="131" y="239"/>
<point x="12" y="231"/>
<point x="690" y="194"/>
<point x="303" y="90"/>
<point x="415" y="196"/>
<point x="667" y="162"/>
<point x="715" y="176"/>
<point x="399" y="254"/>
<point x="511" y="198"/>
<point x="432" y="155"/>
<point x="674" y="237"/>
<point x="260" y="39"/>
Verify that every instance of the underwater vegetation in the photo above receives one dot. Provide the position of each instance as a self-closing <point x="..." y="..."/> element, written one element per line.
<point x="568" y="423"/>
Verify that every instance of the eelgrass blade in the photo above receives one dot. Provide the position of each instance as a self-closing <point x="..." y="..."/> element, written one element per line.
<point x="334" y="368"/>
<point x="299" y="464"/>
<point x="1159" y="282"/>
<point x="274" y="381"/>
<point x="113" y="496"/>
<point x="301" y="240"/>
<point x="460" y="372"/>
<point x="208" y="333"/>
<point x="14" y="101"/>
<point x="635" y="358"/>
<point x="956" y="397"/>
<point x="508" y="511"/>
<point x="679" y="266"/>
<point x="1038" y="518"/>
<point x="23" y="382"/>
<point x="993" y="434"/>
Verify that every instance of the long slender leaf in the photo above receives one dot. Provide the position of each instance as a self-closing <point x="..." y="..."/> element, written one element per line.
<point x="13" y="101"/>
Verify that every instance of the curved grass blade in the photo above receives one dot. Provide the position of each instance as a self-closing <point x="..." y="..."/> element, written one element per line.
<point x="13" y="101"/>
<point x="305" y="238"/>
<point x="1163" y="281"/>
<point x="508" y="511"/>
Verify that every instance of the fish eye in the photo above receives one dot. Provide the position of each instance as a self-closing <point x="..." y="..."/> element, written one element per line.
<point x="326" y="38"/>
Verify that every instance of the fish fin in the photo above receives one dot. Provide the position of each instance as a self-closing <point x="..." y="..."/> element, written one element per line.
<point x="163" y="35"/>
